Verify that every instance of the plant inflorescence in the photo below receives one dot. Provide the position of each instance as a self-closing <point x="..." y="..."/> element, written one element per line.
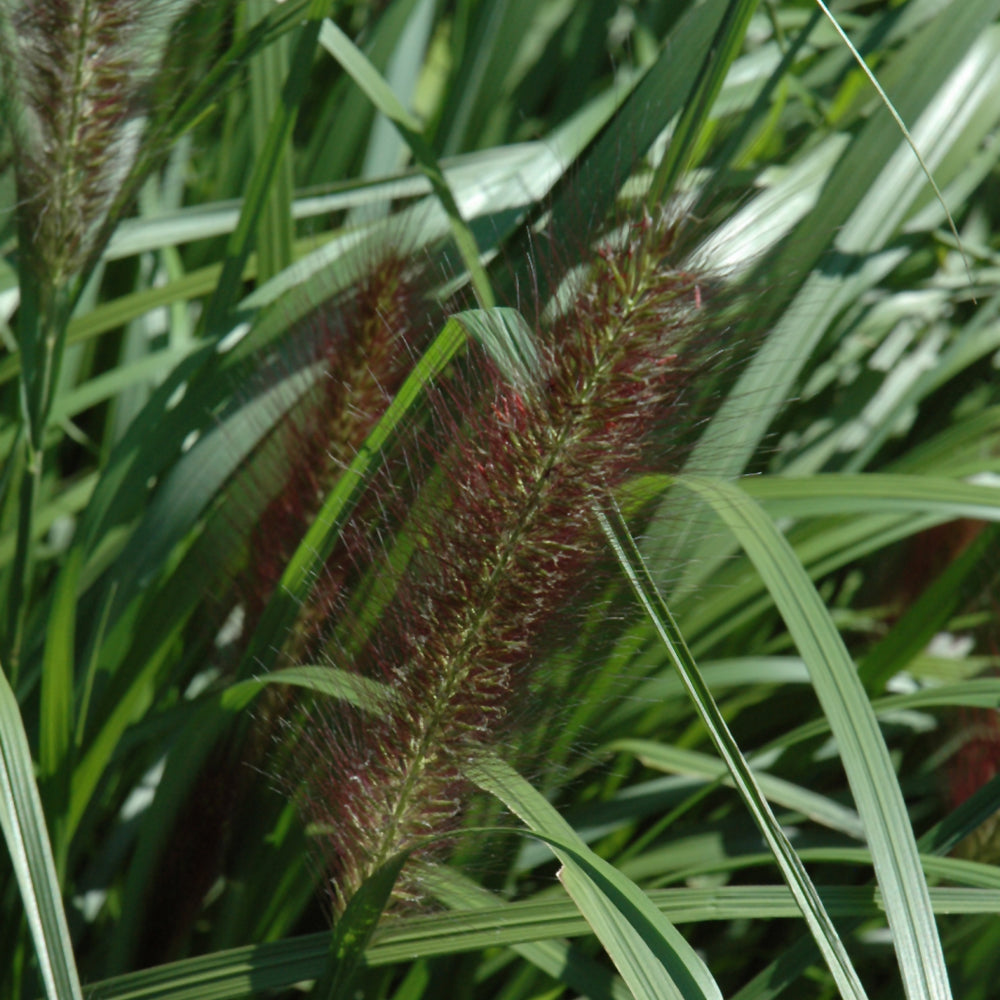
<point x="360" y="554"/>
<point x="77" y="83"/>
<point x="507" y="473"/>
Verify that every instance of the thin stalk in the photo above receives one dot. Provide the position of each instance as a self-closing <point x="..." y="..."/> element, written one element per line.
<point x="23" y="566"/>
<point x="44" y="319"/>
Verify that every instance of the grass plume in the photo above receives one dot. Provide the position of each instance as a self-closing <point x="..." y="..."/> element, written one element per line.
<point x="504" y="547"/>
<point x="76" y="80"/>
<point x="77" y="77"/>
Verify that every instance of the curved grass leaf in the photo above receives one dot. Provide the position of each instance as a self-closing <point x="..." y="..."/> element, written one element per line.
<point x="252" y="970"/>
<point x="872" y="493"/>
<point x="505" y="335"/>
<point x="650" y="954"/>
<point x="23" y="825"/>
<point x="792" y="869"/>
<point x="862" y="748"/>
<point x="886" y="508"/>
<point x="976" y="693"/>
<point x="362" y="692"/>
<point x="557" y="958"/>
<point x="676" y="760"/>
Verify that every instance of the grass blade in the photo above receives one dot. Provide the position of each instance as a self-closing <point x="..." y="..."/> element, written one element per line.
<point x="319" y="540"/>
<point x="265" y="171"/>
<point x="862" y="206"/>
<point x="653" y="958"/>
<point x="901" y="125"/>
<point x="792" y="869"/>
<point x="56" y="710"/>
<point x="559" y="959"/>
<point x="364" y="74"/>
<point x="268" y="71"/>
<point x="694" y="118"/>
<point x="862" y="748"/>
<point x="676" y="760"/>
<point x="353" y="930"/>
<point x="23" y="824"/>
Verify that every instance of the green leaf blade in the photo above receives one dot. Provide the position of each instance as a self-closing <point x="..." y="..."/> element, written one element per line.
<point x="23" y="825"/>
<point x="863" y="751"/>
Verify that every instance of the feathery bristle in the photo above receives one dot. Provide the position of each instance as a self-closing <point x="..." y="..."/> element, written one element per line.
<point x="76" y="77"/>
<point x="501" y="552"/>
<point x="365" y="343"/>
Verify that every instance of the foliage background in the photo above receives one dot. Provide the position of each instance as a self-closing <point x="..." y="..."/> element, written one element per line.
<point x="868" y="414"/>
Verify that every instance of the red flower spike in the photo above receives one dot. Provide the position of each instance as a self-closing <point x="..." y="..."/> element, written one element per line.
<point x="976" y="763"/>
<point x="978" y="760"/>
<point x="365" y="342"/>
<point x="504" y="549"/>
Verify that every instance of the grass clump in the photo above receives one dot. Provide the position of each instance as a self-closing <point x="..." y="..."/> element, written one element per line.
<point x="263" y="430"/>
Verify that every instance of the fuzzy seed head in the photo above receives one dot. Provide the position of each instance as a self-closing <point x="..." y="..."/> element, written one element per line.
<point x="976" y="763"/>
<point x="364" y="343"/>
<point x="76" y="75"/>
<point x="502" y="550"/>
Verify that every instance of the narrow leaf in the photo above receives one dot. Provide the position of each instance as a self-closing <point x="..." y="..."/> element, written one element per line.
<point x="353" y="930"/>
<point x="56" y="709"/>
<point x="792" y="869"/>
<point x="321" y="537"/>
<point x="694" y="118"/>
<point x="901" y="125"/>
<point x="862" y="748"/>
<point x="265" y="170"/>
<point x="364" y="74"/>
<point x="653" y="958"/>
<point x="23" y="825"/>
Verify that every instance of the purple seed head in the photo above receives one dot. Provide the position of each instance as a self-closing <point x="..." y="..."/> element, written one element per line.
<point x="501" y="550"/>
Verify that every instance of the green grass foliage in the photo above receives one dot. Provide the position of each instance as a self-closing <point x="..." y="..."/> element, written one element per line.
<point x="761" y="759"/>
